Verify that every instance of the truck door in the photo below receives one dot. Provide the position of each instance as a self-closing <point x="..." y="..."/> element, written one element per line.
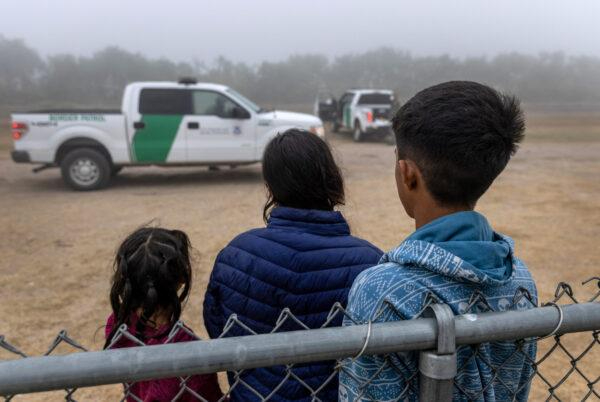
<point x="219" y="129"/>
<point x="326" y="107"/>
<point x="345" y="110"/>
<point x="158" y="136"/>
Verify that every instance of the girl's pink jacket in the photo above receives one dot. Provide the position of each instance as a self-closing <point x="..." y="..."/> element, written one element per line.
<point x="205" y="385"/>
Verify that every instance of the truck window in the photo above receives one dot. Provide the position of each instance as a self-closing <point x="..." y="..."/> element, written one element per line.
<point x="211" y="103"/>
<point x="375" y="99"/>
<point x="165" y="101"/>
<point x="245" y="101"/>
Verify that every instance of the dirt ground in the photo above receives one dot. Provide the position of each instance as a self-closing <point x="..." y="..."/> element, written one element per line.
<point x="57" y="245"/>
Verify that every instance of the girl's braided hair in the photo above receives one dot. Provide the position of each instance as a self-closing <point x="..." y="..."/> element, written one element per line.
<point x="152" y="273"/>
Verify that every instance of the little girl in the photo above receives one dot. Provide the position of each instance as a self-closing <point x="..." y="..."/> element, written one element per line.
<point x="152" y="281"/>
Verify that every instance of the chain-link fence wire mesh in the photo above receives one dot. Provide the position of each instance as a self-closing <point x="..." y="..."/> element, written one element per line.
<point x="566" y="368"/>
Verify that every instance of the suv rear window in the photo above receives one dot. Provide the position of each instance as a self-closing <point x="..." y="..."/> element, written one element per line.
<point x="165" y="101"/>
<point x="375" y="99"/>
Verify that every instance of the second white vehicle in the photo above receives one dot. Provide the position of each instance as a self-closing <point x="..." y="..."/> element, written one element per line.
<point x="160" y="123"/>
<point x="362" y="112"/>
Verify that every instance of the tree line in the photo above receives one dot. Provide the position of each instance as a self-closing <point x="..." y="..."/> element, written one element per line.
<point x="27" y="78"/>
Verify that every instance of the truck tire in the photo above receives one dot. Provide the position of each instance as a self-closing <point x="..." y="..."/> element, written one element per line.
<point x="357" y="134"/>
<point x="85" y="169"/>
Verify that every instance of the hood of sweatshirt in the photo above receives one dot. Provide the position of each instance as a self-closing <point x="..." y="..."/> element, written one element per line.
<point x="463" y="246"/>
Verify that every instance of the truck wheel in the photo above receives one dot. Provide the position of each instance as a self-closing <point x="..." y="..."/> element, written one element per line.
<point x="85" y="169"/>
<point x="357" y="134"/>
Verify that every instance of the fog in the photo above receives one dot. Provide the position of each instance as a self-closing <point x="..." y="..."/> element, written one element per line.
<point x="253" y="31"/>
<point x="68" y="52"/>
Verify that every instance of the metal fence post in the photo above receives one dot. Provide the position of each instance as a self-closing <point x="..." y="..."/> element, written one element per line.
<point x="438" y="368"/>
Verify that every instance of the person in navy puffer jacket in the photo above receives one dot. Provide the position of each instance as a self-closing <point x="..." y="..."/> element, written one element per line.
<point x="304" y="259"/>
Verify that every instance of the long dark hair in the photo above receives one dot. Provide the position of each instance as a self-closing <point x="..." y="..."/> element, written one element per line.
<point x="152" y="271"/>
<point x="300" y="172"/>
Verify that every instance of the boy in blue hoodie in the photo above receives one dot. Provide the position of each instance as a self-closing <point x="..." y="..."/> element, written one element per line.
<point x="452" y="141"/>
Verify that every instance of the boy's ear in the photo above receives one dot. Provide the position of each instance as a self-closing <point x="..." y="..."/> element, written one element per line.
<point x="408" y="173"/>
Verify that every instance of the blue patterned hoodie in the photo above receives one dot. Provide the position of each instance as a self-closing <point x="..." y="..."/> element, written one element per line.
<point x="451" y="259"/>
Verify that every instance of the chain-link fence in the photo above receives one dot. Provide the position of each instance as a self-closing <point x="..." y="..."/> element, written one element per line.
<point x="567" y="365"/>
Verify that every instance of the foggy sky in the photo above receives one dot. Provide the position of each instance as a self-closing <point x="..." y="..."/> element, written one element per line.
<point x="256" y="30"/>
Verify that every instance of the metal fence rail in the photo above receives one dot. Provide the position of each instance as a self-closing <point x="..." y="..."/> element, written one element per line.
<point x="440" y="334"/>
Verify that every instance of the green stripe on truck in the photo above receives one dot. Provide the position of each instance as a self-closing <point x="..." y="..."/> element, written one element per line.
<point x="153" y="142"/>
<point x="347" y="116"/>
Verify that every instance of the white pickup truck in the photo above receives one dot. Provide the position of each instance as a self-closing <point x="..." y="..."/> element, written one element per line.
<point x="160" y="123"/>
<point x="360" y="111"/>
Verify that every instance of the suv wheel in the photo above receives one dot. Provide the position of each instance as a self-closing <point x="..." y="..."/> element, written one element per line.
<point x="357" y="134"/>
<point x="85" y="169"/>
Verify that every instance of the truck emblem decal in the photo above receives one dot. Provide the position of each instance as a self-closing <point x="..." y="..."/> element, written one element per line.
<point x="214" y="130"/>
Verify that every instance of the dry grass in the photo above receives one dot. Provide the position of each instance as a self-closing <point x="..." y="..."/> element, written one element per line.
<point x="563" y="127"/>
<point x="57" y="245"/>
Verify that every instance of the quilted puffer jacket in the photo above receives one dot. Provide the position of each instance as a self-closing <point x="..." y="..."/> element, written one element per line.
<point x="305" y="260"/>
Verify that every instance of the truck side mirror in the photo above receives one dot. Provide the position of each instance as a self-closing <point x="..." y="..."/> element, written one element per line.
<point x="240" y="113"/>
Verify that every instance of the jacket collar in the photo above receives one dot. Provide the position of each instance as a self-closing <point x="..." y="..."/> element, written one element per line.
<point x="325" y="223"/>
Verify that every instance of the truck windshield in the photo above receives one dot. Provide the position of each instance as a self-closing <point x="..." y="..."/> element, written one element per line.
<point x="245" y="101"/>
<point x="375" y="99"/>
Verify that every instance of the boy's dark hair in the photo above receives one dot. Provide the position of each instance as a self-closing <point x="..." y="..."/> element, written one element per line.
<point x="151" y="266"/>
<point x="300" y="172"/>
<point x="461" y="135"/>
